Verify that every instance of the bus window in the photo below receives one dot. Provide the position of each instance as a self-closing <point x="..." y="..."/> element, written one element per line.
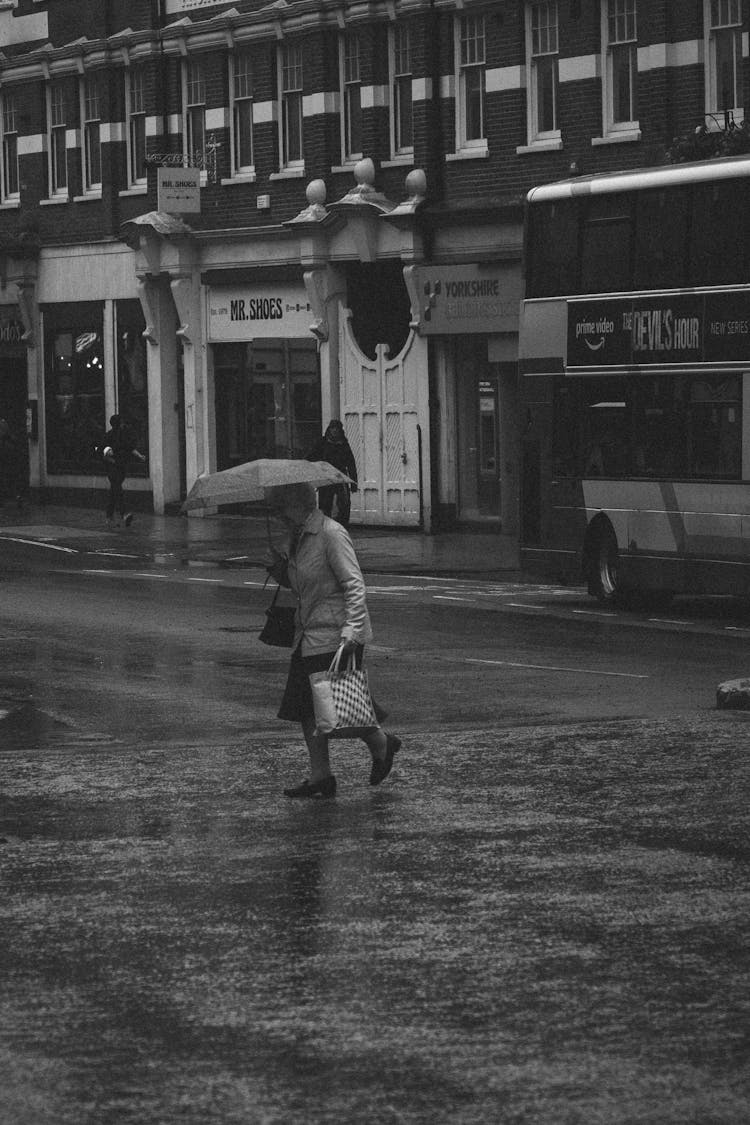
<point x="661" y="242"/>
<point x="714" y="430"/>
<point x="718" y="234"/>
<point x="552" y="248"/>
<point x="606" y="245"/>
<point x="605" y="440"/>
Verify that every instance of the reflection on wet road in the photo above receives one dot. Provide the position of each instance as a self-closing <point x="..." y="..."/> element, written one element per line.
<point x="541" y="917"/>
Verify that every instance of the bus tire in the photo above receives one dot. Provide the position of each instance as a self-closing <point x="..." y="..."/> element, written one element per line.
<point x="604" y="565"/>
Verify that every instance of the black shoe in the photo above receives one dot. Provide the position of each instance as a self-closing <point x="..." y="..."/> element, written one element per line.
<point x="326" y="787"/>
<point x="380" y="770"/>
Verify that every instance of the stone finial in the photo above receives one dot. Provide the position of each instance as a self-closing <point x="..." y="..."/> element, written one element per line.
<point x="364" y="173"/>
<point x="315" y="212"/>
<point x="315" y="193"/>
<point x="416" y="184"/>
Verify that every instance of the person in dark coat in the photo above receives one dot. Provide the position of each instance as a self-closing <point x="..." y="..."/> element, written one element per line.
<point x="116" y="450"/>
<point x="335" y="500"/>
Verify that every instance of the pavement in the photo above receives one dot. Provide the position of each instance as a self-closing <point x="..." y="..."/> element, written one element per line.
<point x="242" y="540"/>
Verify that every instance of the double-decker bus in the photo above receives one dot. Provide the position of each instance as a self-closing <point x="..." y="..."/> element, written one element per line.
<point x="635" y="381"/>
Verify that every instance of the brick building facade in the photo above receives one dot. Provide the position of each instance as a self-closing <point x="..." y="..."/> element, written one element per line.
<point x="356" y="249"/>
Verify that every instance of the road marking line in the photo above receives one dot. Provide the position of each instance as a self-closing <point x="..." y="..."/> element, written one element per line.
<point x="449" y="598"/>
<point x="665" y="621"/>
<point x="115" y="555"/>
<point x="594" y="613"/>
<point x="37" y="543"/>
<point x="525" y="605"/>
<point x="556" y="668"/>
<point x="219" y="580"/>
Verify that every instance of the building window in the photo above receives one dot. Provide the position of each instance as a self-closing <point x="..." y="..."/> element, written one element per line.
<point x="402" y="125"/>
<point x="620" y="69"/>
<point x="194" y="115"/>
<point x="57" y="154"/>
<point x="291" y="154"/>
<point x="10" y="184"/>
<point x="241" y="100"/>
<point x="135" y="105"/>
<point x="471" y="81"/>
<point x="542" y="62"/>
<point x="91" y="148"/>
<point x="723" y="19"/>
<point x="74" y="387"/>
<point x="351" y="122"/>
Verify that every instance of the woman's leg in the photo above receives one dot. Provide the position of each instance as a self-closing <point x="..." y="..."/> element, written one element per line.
<point x="317" y="745"/>
<point x="383" y="748"/>
<point x="377" y="743"/>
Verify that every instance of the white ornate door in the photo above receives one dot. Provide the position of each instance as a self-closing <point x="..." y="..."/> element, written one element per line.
<point x="380" y="409"/>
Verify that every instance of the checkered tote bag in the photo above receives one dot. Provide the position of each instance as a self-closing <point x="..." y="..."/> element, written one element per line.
<point x="341" y="696"/>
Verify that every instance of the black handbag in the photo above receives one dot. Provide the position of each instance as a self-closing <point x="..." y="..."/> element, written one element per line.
<point x="278" y="630"/>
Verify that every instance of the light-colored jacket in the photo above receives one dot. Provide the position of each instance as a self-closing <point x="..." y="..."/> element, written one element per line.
<point x="326" y="577"/>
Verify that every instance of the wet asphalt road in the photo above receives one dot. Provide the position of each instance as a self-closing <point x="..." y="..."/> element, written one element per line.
<point x="542" y="917"/>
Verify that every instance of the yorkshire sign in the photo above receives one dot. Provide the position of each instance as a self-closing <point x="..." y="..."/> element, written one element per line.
<point x="643" y="331"/>
<point x="455" y="300"/>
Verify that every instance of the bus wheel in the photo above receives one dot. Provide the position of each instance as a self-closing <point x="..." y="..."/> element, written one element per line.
<point x="604" y="566"/>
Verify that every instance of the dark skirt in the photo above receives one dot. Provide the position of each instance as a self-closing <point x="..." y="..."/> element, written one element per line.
<point x="297" y="702"/>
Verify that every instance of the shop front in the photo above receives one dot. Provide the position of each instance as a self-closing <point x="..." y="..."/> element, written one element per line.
<point x="470" y="315"/>
<point x="91" y="363"/>
<point x="266" y="372"/>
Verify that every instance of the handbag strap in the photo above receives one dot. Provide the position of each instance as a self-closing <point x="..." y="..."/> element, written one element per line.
<point x="335" y="668"/>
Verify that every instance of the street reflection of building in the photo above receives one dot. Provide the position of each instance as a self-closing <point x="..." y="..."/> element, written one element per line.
<point x="352" y="245"/>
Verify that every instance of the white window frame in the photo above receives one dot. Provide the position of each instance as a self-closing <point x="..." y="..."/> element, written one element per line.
<point x="10" y="191"/>
<point x="470" y="60"/>
<point x="57" y="141"/>
<point x="90" y="97"/>
<point x="400" y="68"/>
<point x="542" y="44"/>
<point x="135" y="125"/>
<point x="351" y="97"/>
<point x="625" y="38"/>
<point x="722" y="18"/>
<point x="194" y="115"/>
<point x="241" y="104"/>
<point x="290" y="96"/>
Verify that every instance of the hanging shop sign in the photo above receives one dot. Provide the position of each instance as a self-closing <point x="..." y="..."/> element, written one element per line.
<point x="256" y="311"/>
<point x="178" y="190"/>
<point x="681" y="329"/>
<point x="452" y="300"/>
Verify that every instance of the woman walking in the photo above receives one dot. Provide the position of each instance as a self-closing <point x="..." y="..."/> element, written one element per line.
<point x="324" y="574"/>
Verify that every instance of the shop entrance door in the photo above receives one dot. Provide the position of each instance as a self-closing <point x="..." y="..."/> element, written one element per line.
<point x="478" y="431"/>
<point x="267" y="400"/>
<point x="488" y="455"/>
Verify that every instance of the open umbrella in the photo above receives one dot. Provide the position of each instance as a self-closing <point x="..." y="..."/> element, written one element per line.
<point x="243" y="483"/>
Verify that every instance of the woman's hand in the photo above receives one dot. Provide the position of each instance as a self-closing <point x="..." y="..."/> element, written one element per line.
<point x="348" y="646"/>
<point x="277" y="565"/>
